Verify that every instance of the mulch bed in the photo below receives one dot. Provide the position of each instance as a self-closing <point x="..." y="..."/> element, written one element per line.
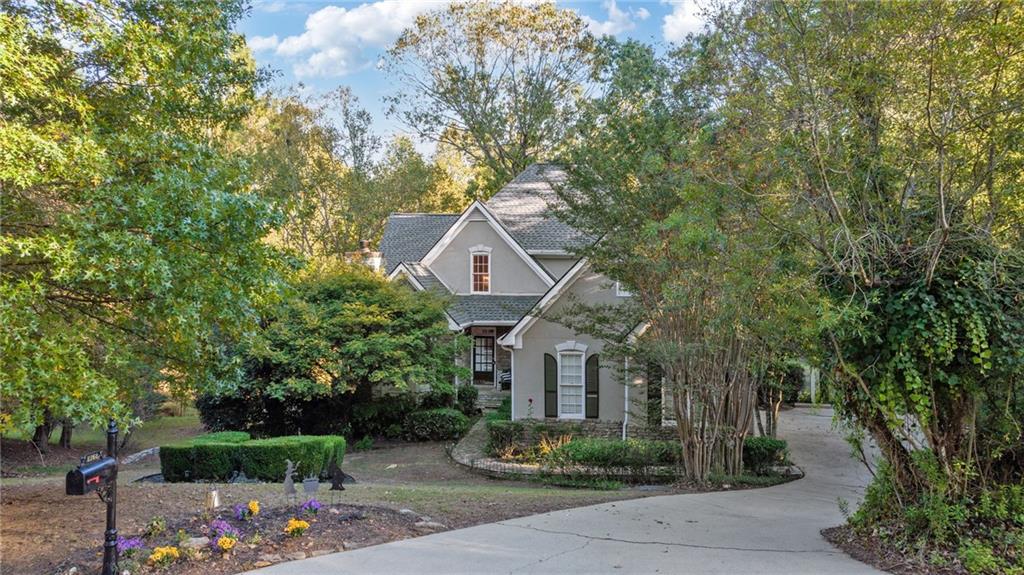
<point x="881" y="554"/>
<point x="335" y="528"/>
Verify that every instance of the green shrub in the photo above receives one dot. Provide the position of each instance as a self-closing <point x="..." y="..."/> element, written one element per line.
<point x="176" y="462"/>
<point x="466" y="397"/>
<point x="503" y="435"/>
<point x="637" y="459"/>
<point x="760" y="454"/>
<point x="223" y="437"/>
<point x="435" y="424"/>
<point x="439" y="395"/>
<point x="503" y="413"/>
<point x="364" y="444"/>
<point x="394" y="431"/>
<point x="374" y="418"/>
<point x="263" y="459"/>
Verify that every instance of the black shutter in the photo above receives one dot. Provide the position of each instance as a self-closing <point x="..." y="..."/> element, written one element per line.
<point x="593" y="385"/>
<point x="654" y="377"/>
<point x="550" y="386"/>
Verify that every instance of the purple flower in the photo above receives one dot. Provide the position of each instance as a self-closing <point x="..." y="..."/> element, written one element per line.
<point x="220" y="528"/>
<point x="311" y="507"/>
<point x="241" y="512"/>
<point x="127" y="546"/>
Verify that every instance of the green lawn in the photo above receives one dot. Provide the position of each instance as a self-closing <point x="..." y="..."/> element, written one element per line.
<point x="154" y="432"/>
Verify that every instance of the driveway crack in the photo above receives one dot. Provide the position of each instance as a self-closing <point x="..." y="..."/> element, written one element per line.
<point x="590" y="538"/>
<point x="587" y="542"/>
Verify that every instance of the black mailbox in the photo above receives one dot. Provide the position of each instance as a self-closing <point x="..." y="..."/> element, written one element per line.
<point x="90" y="476"/>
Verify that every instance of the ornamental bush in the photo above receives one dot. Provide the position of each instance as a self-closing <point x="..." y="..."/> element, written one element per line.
<point x="264" y="459"/>
<point x="503" y="435"/>
<point x="436" y="424"/>
<point x="638" y="459"/>
<point x="762" y="453"/>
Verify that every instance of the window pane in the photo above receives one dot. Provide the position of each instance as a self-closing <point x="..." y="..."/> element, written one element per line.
<point x="481" y="272"/>
<point x="571" y="384"/>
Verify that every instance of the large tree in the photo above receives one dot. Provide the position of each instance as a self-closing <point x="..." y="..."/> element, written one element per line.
<point x="499" y="81"/>
<point x="891" y="135"/>
<point x="334" y="177"/>
<point x="130" y="241"/>
<point x="713" y="283"/>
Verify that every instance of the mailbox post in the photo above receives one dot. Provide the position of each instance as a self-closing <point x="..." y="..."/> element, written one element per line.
<point x="100" y="475"/>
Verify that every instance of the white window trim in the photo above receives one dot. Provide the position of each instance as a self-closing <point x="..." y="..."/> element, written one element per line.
<point x="620" y="291"/>
<point x="480" y="250"/>
<point x="572" y="347"/>
<point x="666" y="420"/>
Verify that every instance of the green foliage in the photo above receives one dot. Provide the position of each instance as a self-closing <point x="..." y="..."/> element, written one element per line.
<point x="503" y="413"/>
<point x="503" y="435"/>
<point x="132" y="243"/>
<point x="985" y="529"/>
<point x="439" y="395"/>
<point x="223" y="437"/>
<point x="634" y="459"/>
<point x="761" y="453"/>
<point x="347" y="334"/>
<point x="364" y="444"/>
<point x="466" y="70"/>
<point x="380" y="416"/>
<point x="466" y="397"/>
<point x="264" y="459"/>
<point x="436" y="424"/>
<point x="335" y="180"/>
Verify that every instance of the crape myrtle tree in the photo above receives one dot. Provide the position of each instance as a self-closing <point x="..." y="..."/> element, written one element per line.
<point x="718" y="291"/>
<point x="130" y="242"/>
<point x="498" y="81"/>
<point x="893" y="134"/>
<point x="346" y="333"/>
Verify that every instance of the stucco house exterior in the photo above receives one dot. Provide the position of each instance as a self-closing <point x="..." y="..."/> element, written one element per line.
<point x="507" y="265"/>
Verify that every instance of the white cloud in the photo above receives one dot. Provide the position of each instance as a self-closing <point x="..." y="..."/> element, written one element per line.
<point x="618" y="21"/>
<point x="275" y="6"/>
<point x="260" y="43"/>
<point x="335" y="38"/>
<point x="684" y="19"/>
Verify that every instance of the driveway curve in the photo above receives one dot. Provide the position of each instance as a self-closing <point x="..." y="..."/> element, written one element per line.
<point x="772" y="530"/>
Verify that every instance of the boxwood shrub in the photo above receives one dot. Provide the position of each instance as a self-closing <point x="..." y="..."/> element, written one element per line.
<point x="436" y="424"/>
<point x="217" y="459"/>
<point x="761" y="453"/>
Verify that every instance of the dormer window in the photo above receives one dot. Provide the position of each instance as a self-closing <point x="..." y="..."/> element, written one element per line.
<point x="480" y="268"/>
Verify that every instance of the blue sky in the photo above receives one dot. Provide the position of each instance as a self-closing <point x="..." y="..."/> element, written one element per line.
<point x="325" y="44"/>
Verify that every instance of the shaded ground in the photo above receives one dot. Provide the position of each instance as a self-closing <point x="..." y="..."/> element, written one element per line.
<point x="44" y="531"/>
<point x="876" y="552"/>
<point x="20" y="458"/>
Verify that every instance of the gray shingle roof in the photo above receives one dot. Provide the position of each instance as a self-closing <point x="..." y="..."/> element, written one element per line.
<point x="524" y="208"/>
<point x="485" y="308"/>
<point x="408" y="237"/>
<point x="426" y="277"/>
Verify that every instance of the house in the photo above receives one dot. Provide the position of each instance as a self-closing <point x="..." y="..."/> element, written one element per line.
<point x="507" y="264"/>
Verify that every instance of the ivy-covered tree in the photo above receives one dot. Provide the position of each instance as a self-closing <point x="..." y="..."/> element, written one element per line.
<point x="345" y="334"/>
<point x="130" y="242"/>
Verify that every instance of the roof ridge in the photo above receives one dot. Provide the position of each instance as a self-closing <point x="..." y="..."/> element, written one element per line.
<point x="421" y="214"/>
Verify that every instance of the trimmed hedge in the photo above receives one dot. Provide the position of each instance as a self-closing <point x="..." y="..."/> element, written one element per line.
<point x="760" y="454"/>
<point x="217" y="459"/>
<point x="503" y="435"/>
<point x="436" y="424"/>
<point x="634" y="459"/>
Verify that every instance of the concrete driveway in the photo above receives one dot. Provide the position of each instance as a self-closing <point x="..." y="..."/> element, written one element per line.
<point x="773" y="530"/>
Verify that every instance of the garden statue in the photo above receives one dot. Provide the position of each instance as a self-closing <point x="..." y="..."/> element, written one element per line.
<point x="311" y="484"/>
<point x="289" y="482"/>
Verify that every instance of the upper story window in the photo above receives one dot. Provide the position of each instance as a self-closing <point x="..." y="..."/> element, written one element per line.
<point x="621" y="291"/>
<point x="480" y="264"/>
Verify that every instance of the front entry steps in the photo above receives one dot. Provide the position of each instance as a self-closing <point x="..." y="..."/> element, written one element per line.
<point x="489" y="398"/>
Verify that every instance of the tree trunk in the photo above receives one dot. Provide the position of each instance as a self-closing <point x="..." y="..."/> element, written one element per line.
<point x="41" y="436"/>
<point x="65" y="433"/>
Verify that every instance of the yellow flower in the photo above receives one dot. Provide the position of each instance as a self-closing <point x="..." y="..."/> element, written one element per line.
<point x="295" y="527"/>
<point x="164" y="555"/>
<point x="254" y="507"/>
<point x="226" y="543"/>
